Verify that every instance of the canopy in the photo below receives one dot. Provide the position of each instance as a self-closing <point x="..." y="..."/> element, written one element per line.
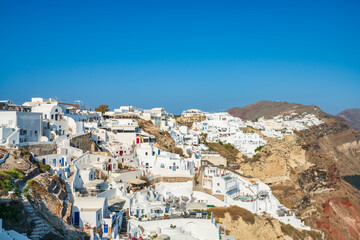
<point x="137" y="182"/>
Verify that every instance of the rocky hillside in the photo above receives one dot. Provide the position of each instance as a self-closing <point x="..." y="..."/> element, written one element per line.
<point x="352" y="117"/>
<point x="269" y="109"/>
<point x="188" y="121"/>
<point x="163" y="139"/>
<point x="304" y="170"/>
<point x="242" y="224"/>
<point x="48" y="195"/>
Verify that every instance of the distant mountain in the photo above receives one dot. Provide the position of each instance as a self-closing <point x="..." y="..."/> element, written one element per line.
<point x="351" y="116"/>
<point x="269" y="109"/>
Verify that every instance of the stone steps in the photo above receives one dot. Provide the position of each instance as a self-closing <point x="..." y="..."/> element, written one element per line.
<point x="41" y="227"/>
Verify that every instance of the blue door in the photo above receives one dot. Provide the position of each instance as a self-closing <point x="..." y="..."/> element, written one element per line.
<point x="174" y="168"/>
<point x="43" y="161"/>
<point x="147" y="165"/>
<point x="77" y="218"/>
<point x="62" y="162"/>
<point x="54" y="162"/>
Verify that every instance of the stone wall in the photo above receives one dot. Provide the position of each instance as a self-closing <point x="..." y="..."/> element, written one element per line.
<point x="171" y="179"/>
<point x="84" y="142"/>
<point x="41" y="149"/>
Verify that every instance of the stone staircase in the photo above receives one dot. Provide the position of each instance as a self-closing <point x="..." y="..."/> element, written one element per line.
<point x="68" y="183"/>
<point x="41" y="227"/>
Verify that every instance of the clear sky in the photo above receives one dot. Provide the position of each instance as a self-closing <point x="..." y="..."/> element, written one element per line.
<point x="211" y="55"/>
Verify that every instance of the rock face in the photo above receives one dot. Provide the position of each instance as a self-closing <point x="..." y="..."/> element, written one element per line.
<point x="41" y="149"/>
<point x="304" y="171"/>
<point x="84" y="142"/>
<point x="163" y="139"/>
<point x="49" y="195"/>
<point x="352" y="117"/>
<point x="242" y="224"/>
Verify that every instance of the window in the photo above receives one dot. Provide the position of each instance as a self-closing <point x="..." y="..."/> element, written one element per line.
<point x="45" y="116"/>
<point x="98" y="216"/>
<point x="218" y="184"/>
<point x="36" y="132"/>
<point x="146" y="153"/>
<point x="52" y="116"/>
<point x="56" y="110"/>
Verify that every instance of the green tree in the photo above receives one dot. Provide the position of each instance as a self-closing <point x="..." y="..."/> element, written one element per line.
<point x="102" y="108"/>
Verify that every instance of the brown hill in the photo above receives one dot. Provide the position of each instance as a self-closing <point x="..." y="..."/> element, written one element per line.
<point x="305" y="169"/>
<point x="351" y="116"/>
<point x="269" y="109"/>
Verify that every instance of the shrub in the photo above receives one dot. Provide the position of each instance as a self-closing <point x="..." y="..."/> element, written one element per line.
<point x="11" y="213"/>
<point x="5" y="178"/>
<point x="258" y="148"/>
<point x="15" y="173"/>
<point x="43" y="167"/>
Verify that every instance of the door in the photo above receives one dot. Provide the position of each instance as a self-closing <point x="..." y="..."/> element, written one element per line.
<point x="77" y="218"/>
<point x="62" y="162"/>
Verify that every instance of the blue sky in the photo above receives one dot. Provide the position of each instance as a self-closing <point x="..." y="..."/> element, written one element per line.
<point x="211" y="55"/>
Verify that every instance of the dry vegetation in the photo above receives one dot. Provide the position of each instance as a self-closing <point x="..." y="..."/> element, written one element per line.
<point x="227" y="150"/>
<point x="296" y="234"/>
<point x="235" y="212"/>
<point x="163" y="139"/>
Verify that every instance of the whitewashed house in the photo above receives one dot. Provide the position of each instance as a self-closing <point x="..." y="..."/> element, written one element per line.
<point x="219" y="182"/>
<point x="18" y="127"/>
<point x="89" y="211"/>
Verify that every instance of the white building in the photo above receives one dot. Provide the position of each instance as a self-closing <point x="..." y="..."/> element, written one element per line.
<point x="89" y="211"/>
<point x="219" y="182"/>
<point x="18" y="127"/>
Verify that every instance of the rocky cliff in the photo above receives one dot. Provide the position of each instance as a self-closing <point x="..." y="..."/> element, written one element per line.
<point x="242" y="224"/>
<point x="304" y="171"/>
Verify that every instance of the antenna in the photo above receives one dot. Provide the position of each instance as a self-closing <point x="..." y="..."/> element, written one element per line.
<point x="79" y="102"/>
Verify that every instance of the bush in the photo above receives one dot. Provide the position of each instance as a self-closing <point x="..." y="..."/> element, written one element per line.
<point x="9" y="213"/>
<point x="5" y="178"/>
<point x="258" y="148"/>
<point x="43" y="167"/>
<point x="15" y="173"/>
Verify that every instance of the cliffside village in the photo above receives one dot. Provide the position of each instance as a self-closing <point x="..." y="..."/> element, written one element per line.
<point x="127" y="186"/>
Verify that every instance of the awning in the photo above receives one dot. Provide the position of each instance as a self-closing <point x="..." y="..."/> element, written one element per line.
<point x="137" y="182"/>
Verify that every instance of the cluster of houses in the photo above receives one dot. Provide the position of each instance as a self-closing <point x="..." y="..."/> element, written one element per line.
<point x="120" y="190"/>
<point x="285" y="124"/>
<point x="42" y="120"/>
